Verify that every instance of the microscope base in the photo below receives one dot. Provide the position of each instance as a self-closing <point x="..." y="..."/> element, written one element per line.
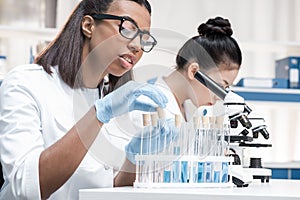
<point x="260" y="173"/>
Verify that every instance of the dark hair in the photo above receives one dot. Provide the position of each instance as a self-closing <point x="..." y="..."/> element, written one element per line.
<point x="65" y="50"/>
<point x="211" y="47"/>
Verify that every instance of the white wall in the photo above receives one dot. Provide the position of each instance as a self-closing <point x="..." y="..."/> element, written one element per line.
<point x="252" y="20"/>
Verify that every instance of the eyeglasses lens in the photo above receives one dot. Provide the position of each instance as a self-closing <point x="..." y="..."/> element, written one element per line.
<point x="129" y="30"/>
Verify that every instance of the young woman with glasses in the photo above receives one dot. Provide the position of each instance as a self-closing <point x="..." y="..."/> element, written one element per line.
<point x="51" y="111"/>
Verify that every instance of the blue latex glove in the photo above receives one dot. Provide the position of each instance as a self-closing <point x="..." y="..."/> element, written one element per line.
<point x="124" y="100"/>
<point x="161" y="137"/>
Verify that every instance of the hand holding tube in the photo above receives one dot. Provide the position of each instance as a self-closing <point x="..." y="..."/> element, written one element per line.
<point x="125" y="99"/>
<point x="160" y="137"/>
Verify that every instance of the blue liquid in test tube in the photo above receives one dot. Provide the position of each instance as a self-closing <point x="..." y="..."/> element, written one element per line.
<point x="217" y="177"/>
<point x="200" y="178"/>
<point x="184" y="171"/>
<point x="167" y="176"/>
<point x="224" y="172"/>
<point x="208" y="172"/>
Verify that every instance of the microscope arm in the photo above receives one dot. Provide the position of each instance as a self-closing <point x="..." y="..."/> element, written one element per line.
<point x="211" y="85"/>
<point x="234" y="104"/>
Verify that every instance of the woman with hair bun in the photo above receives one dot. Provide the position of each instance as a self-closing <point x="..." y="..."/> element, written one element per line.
<point x="215" y="52"/>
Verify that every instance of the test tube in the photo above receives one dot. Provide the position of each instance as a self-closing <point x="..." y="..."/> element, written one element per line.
<point x="225" y="149"/>
<point x="167" y="178"/>
<point x="175" y="175"/>
<point x="212" y="136"/>
<point x="195" y="149"/>
<point x="217" y="168"/>
<point x="224" y="172"/>
<point x="196" y="123"/>
<point x="142" y="164"/>
<point x="207" y="166"/>
<point x="163" y="173"/>
<point x="200" y="172"/>
<point x="154" y="124"/>
<point x="161" y="122"/>
<point x="208" y="171"/>
<point x="186" y="149"/>
<point x="204" y="143"/>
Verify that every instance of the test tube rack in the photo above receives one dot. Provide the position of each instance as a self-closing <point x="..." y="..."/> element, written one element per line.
<point x="184" y="171"/>
<point x="195" y="159"/>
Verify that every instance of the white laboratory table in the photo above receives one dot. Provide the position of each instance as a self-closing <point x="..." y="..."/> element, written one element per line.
<point x="274" y="190"/>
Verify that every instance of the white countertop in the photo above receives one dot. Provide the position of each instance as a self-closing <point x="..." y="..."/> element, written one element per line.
<point x="274" y="190"/>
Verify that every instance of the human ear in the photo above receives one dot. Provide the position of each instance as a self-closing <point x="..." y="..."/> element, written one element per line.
<point x="191" y="70"/>
<point x="87" y="26"/>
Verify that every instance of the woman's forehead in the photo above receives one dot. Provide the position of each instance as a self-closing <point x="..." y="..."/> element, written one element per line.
<point x="132" y="9"/>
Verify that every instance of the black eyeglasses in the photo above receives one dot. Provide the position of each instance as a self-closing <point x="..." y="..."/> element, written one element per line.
<point x="130" y="30"/>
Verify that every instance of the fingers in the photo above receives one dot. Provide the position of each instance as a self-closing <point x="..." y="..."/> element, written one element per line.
<point x="153" y="93"/>
<point x="152" y="81"/>
<point x="144" y="106"/>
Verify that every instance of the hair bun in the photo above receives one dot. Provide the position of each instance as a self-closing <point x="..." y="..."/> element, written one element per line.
<point x="216" y="26"/>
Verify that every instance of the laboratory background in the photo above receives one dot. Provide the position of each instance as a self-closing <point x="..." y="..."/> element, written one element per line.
<point x="267" y="31"/>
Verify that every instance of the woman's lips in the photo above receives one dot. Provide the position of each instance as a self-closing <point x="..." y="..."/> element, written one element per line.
<point x="127" y="61"/>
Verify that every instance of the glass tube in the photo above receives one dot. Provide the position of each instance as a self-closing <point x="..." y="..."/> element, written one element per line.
<point x="142" y="165"/>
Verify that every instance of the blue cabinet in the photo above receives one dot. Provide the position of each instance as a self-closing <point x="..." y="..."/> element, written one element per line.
<point x="268" y="94"/>
<point x="285" y="173"/>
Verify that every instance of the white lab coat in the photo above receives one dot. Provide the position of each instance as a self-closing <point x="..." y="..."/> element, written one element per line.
<point x="36" y="110"/>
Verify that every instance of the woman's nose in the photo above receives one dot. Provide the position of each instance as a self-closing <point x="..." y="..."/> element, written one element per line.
<point x="135" y="45"/>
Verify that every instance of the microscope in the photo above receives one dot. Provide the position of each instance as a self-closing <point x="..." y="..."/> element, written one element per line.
<point x="245" y="126"/>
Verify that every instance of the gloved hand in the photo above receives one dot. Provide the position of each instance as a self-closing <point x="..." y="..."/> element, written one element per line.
<point x="124" y="100"/>
<point x="160" y="137"/>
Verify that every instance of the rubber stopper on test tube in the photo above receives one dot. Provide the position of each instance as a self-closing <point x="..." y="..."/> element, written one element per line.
<point x="153" y="119"/>
<point x="161" y="113"/>
<point x="177" y="120"/>
<point x="212" y="120"/>
<point x="219" y="121"/>
<point x="196" y="121"/>
<point x="146" y="119"/>
<point x="205" y="121"/>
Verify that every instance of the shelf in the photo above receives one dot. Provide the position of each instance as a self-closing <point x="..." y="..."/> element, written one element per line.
<point x="268" y="94"/>
<point x="46" y="34"/>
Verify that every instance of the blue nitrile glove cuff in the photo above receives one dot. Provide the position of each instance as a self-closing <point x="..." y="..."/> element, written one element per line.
<point x="103" y="112"/>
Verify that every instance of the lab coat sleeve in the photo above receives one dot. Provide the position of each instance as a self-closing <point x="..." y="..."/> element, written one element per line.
<point x="21" y="139"/>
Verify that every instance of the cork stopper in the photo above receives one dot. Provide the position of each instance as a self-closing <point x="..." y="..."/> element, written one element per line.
<point x="205" y="121"/>
<point x="196" y="121"/>
<point x="146" y="119"/>
<point x="219" y="121"/>
<point x="161" y="113"/>
<point x="177" y="120"/>
<point x="153" y="119"/>
<point x="212" y="120"/>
